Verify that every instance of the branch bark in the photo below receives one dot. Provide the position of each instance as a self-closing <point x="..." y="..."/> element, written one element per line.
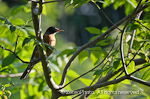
<point x="42" y="54"/>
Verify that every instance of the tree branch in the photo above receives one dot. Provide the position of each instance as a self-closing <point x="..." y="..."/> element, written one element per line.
<point x="47" y="1"/>
<point x="14" y="54"/>
<point x="106" y="16"/>
<point x="95" y="66"/>
<point x="94" y="87"/>
<point x="139" y="80"/>
<point x="95" y="41"/>
<point x="142" y="24"/>
<point x="133" y="35"/>
<point x="137" y="62"/>
<point x="42" y="54"/>
<point x="10" y="75"/>
<point x="122" y="35"/>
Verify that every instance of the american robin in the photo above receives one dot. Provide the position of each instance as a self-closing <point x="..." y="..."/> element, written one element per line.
<point x="49" y="38"/>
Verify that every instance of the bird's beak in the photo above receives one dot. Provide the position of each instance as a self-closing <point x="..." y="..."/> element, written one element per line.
<point x="59" y="30"/>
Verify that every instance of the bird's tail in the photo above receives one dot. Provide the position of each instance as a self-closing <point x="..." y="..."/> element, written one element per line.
<point x="26" y="72"/>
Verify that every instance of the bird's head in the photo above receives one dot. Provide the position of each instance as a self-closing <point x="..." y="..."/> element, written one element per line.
<point x="53" y="30"/>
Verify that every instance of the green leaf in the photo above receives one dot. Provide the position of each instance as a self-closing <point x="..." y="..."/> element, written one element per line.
<point x="93" y="37"/>
<point x="146" y="75"/>
<point x="1" y="93"/>
<point x="96" y="49"/>
<point x="126" y="82"/>
<point x="131" y="66"/>
<point x="72" y="73"/>
<point x="104" y="29"/>
<point x="41" y="44"/>
<point x="117" y="64"/>
<point x="128" y="8"/>
<point x="93" y="30"/>
<point x="95" y="57"/>
<point x="118" y="3"/>
<point x="85" y="81"/>
<point x="17" y="10"/>
<point x="132" y="3"/>
<point x="107" y="3"/>
<point x="12" y="28"/>
<point x="102" y="43"/>
<point x="25" y="41"/>
<point x="7" y="85"/>
<point x="83" y="56"/>
<point x="54" y="67"/>
<point x="98" y="72"/>
<point x="8" y="60"/>
<point x="20" y="31"/>
<point x="17" y="21"/>
<point x="144" y="56"/>
<point x="76" y="3"/>
<point x="44" y="10"/>
<point x="49" y="46"/>
<point x="46" y="94"/>
<point x="67" y="52"/>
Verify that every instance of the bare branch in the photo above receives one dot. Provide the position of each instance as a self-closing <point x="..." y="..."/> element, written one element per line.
<point x="95" y="41"/>
<point x="139" y="69"/>
<point x="133" y="35"/>
<point x="95" y="66"/>
<point x="140" y="61"/>
<point x="96" y="86"/>
<point x="106" y="16"/>
<point x="142" y="24"/>
<point x="37" y="10"/>
<point x="14" y="54"/>
<point x="139" y="80"/>
<point x="137" y="61"/>
<point x="47" y="1"/>
<point x="122" y="35"/>
<point x="42" y="54"/>
<point x="132" y="58"/>
<point x="53" y="1"/>
<point x="10" y="75"/>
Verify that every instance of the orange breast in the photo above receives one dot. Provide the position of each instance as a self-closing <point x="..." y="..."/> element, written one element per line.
<point x="49" y="39"/>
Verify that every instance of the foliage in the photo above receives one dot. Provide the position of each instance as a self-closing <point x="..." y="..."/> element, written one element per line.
<point x="17" y="35"/>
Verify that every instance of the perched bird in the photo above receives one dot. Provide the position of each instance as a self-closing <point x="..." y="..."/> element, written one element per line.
<point x="49" y="38"/>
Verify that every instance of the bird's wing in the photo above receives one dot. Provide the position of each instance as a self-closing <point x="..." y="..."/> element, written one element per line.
<point x="32" y="63"/>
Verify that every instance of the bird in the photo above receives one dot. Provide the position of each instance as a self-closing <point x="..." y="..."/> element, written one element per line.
<point x="49" y="38"/>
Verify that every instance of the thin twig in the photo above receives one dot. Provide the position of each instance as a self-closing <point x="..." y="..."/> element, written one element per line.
<point x="76" y="96"/>
<point x="53" y="1"/>
<point x="133" y="57"/>
<point x="142" y="24"/>
<point x="133" y="35"/>
<point x="10" y="75"/>
<point x="101" y="74"/>
<point x="94" y="67"/>
<point x="47" y="1"/>
<point x="14" y="54"/>
<point x="63" y="79"/>
<point x="106" y="16"/>
<point x="16" y="43"/>
<point x="95" y="86"/>
<point x="122" y="35"/>
<point x="139" y="80"/>
<point x="111" y="73"/>
<point x="139" y="69"/>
